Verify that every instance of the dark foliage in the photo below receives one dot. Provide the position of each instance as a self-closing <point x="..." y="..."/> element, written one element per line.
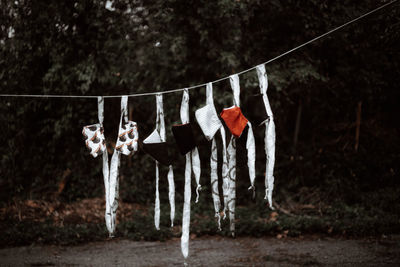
<point x="82" y="48"/>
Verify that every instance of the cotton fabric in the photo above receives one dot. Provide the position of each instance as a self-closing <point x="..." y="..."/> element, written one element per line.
<point x="269" y="140"/>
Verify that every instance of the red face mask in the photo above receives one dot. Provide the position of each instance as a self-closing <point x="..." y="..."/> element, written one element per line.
<point x="234" y="120"/>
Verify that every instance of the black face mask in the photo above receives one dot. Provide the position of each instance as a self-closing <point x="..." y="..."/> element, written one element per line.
<point x="255" y="110"/>
<point x="163" y="152"/>
<point x="184" y="137"/>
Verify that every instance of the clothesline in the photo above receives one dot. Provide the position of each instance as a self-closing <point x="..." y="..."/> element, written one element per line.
<point x="218" y="80"/>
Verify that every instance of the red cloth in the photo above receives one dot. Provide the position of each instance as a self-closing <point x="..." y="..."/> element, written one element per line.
<point x="234" y="120"/>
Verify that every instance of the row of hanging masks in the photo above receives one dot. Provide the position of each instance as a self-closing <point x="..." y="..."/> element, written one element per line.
<point x="159" y="149"/>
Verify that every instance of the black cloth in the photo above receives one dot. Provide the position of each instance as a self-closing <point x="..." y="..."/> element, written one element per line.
<point x="184" y="137"/>
<point x="162" y="152"/>
<point x="254" y="110"/>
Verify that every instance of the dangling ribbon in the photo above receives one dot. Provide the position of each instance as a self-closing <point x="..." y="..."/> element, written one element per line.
<point x="110" y="173"/>
<point x="231" y="151"/>
<point x="160" y="128"/>
<point x="269" y="140"/>
<point x="192" y="164"/>
<point x="214" y="163"/>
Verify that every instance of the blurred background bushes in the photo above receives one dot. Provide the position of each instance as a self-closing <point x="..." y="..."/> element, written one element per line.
<point x="84" y="48"/>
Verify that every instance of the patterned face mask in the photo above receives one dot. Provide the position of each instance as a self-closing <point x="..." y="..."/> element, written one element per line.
<point x="127" y="138"/>
<point x="234" y="120"/>
<point x="94" y="139"/>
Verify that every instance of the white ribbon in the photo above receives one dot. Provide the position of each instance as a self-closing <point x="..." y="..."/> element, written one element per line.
<point x="184" y="111"/>
<point x="214" y="159"/>
<point x="269" y="140"/>
<point x="160" y="128"/>
<point x="251" y="156"/>
<point x="192" y="164"/>
<point x="157" y="201"/>
<point x="171" y="193"/>
<point x="231" y="151"/>
<point x="186" y="209"/>
<point x="110" y="172"/>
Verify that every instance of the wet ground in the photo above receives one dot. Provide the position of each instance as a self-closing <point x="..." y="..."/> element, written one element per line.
<point x="214" y="251"/>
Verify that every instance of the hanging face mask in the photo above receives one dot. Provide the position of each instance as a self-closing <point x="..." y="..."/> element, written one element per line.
<point x="127" y="142"/>
<point x="234" y="120"/>
<point x="156" y="146"/>
<point x="255" y="110"/>
<point x="94" y="139"/>
<point x="208" y="120"/>
<point x="184" y="137"/>
<point x="157" y="149"/>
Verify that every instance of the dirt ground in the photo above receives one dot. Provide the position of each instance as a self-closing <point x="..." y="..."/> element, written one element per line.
<point x="214" y="251"/>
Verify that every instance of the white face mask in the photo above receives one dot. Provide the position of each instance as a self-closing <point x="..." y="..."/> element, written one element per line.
<point x="207" y="117"/>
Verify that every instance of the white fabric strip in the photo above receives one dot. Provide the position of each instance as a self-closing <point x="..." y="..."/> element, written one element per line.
<point x="171" y="193"/>
<point x="225" y="171"/>
<point x="160" y="123"/>
<point x="106" y="176"/>
<point x="110" y="173"/>
<point x="160" y="127"/>
<point x="114" y="188"/>
<point x="157" y="201"/>
<point x="100" y="106"/>
<point x="192" y="163"/>
<point x="235" y="85"/>
<point x="106" y="170"/>
<point x="214" y="167"/>
<point x="251" y="157"/>
<point x="270" y="136"/>
<point x="124" y="107"/>
<point x="196" y="170"/>
<point x="184" y="111"/>
<point x="186" y="209"/>
<point x="214" y="181"/>
<point x="231" y="151"/>
<point x="270" y="152"/>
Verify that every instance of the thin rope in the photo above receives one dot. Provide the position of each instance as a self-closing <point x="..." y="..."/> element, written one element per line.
<point x="221" y="79"/>
<point x="54" y="96"/>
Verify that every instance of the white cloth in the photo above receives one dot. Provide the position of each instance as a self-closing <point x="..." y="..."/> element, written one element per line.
<point x="251" y="156"/>
<point x="270" y="136"/>
<point x="110" y="172"/>
<point x="207" y="117"/>
<point x="231" y="151"/>
<point x="192" y="164"/>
